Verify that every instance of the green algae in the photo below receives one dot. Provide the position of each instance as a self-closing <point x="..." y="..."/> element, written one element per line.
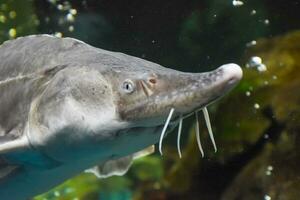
<point x="17" y="18"/>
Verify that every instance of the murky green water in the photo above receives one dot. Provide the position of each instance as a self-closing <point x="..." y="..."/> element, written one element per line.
<point x="256" y="126"/>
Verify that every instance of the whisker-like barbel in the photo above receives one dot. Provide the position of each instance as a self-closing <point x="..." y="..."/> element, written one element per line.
<point x="179" y="135"/>
<point x="207" y="120"/>
<point x="164" y="130"/>
<point x="198" y="135"/>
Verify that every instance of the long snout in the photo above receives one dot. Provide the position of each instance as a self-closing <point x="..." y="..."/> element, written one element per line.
<point x="201" y="89"/>
<point x="232" y="73"/>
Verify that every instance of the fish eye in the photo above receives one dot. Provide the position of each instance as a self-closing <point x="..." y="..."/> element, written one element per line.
<point x="128" y="86"/>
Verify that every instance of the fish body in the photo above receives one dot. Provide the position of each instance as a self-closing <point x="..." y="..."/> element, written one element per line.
<point x="67" y="107"/>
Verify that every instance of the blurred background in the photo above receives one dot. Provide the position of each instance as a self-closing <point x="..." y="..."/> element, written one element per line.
<point x="256" y="126"/>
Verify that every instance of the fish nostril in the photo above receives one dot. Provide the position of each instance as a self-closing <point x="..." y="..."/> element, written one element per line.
<point x="152" y="80"/>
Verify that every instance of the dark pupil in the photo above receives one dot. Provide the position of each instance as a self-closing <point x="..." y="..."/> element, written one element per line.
<point x="127" y="86"/>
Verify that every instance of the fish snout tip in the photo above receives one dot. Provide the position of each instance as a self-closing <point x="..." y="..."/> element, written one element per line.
<point x="233" y="71"/>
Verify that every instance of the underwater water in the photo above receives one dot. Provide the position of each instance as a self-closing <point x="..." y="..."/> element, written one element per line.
<point x="256" y="126"/>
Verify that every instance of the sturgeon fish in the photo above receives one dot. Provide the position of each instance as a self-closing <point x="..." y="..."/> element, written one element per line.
<point x="66" y="107"/>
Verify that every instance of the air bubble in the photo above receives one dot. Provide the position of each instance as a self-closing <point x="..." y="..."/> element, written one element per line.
<point x="267" y="197"/>
<point x="253" y="12"/>
<point x="2" y="18"/>
<point x="58" y="34"/>
<point x="57" y="193"/>
<point x="237" y="3"/>
<point x="60" y="7"/>
<point x="266" y="136"/>
<point x="12" y="14"/>
<point x="36" y="22"/>
<point x="252" y="43"/>
<point x="262" y="68"/>
<point x="73" y="11"/>
<point x="256" y="62"/>
<point x="12" y="33"/>
<point x="266" y="22"/>
<point x="71" y="28"/>
<point x="70" y="17"/>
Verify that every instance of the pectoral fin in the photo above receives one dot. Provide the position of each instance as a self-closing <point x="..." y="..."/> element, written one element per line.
<point x="145" y="152"/>
<point x="118" y="166"/>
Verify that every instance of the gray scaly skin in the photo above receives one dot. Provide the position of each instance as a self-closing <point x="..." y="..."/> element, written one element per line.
<point x="66" y="106"/>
